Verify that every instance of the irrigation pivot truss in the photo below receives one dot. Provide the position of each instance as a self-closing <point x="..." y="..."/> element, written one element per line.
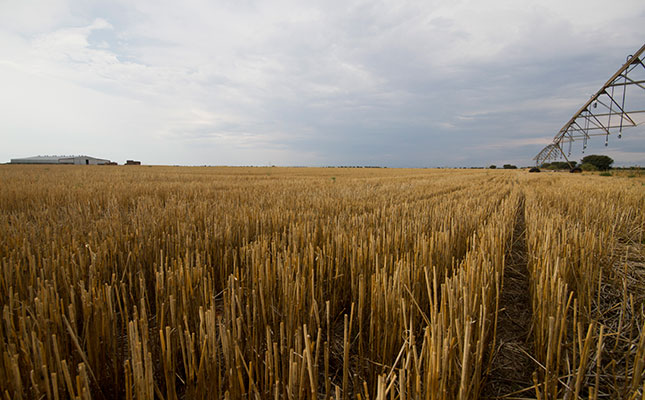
<point x="607" y="112"/>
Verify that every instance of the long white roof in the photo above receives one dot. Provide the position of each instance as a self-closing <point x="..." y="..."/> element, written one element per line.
<point x="55" y="158"/>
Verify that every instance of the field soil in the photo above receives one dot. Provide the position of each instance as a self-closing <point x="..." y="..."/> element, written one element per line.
<point x="512" y="367"/>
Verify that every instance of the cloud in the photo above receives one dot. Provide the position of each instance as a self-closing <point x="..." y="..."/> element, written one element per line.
<point x="513" y="143"/>
<point x="391" y="83"/>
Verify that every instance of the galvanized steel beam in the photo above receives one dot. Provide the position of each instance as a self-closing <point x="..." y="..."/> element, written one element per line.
<point x="611" y="102"/>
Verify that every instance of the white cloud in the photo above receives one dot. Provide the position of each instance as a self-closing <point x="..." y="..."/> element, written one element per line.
<point x="33" y="16"/>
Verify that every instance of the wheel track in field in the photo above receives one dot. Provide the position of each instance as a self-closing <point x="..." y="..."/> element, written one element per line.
<point x="511" y="368"/>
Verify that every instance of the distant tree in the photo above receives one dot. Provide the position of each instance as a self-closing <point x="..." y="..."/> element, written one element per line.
<point x="493" y="166"/>
<point x="601" y="162"/>
<point x="558" y="165"/>
<point x="588" y="167"/>
<point x="509" y="166"/>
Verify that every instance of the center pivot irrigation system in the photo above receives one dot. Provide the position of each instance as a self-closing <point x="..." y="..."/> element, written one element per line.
<point x="606" y="113"/>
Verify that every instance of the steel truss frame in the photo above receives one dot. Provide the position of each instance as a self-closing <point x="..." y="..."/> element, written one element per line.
<point x="604" y="114"/>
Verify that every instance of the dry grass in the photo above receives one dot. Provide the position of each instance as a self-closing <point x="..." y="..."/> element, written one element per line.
<point x="155" y="282"/>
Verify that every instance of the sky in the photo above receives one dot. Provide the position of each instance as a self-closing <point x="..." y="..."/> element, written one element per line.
<point x="308" y="83"/>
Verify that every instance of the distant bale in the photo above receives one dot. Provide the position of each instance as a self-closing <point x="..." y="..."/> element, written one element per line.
<point x="534" y="169"/>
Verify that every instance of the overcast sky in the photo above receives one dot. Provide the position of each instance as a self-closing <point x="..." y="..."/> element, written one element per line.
<point x="245" y="82"/>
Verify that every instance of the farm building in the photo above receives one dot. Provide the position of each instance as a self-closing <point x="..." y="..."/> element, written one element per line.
<point x="76" y="160"/>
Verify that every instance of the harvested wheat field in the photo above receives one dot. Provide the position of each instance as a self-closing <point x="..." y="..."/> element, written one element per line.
<point x="301" y="283"/>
